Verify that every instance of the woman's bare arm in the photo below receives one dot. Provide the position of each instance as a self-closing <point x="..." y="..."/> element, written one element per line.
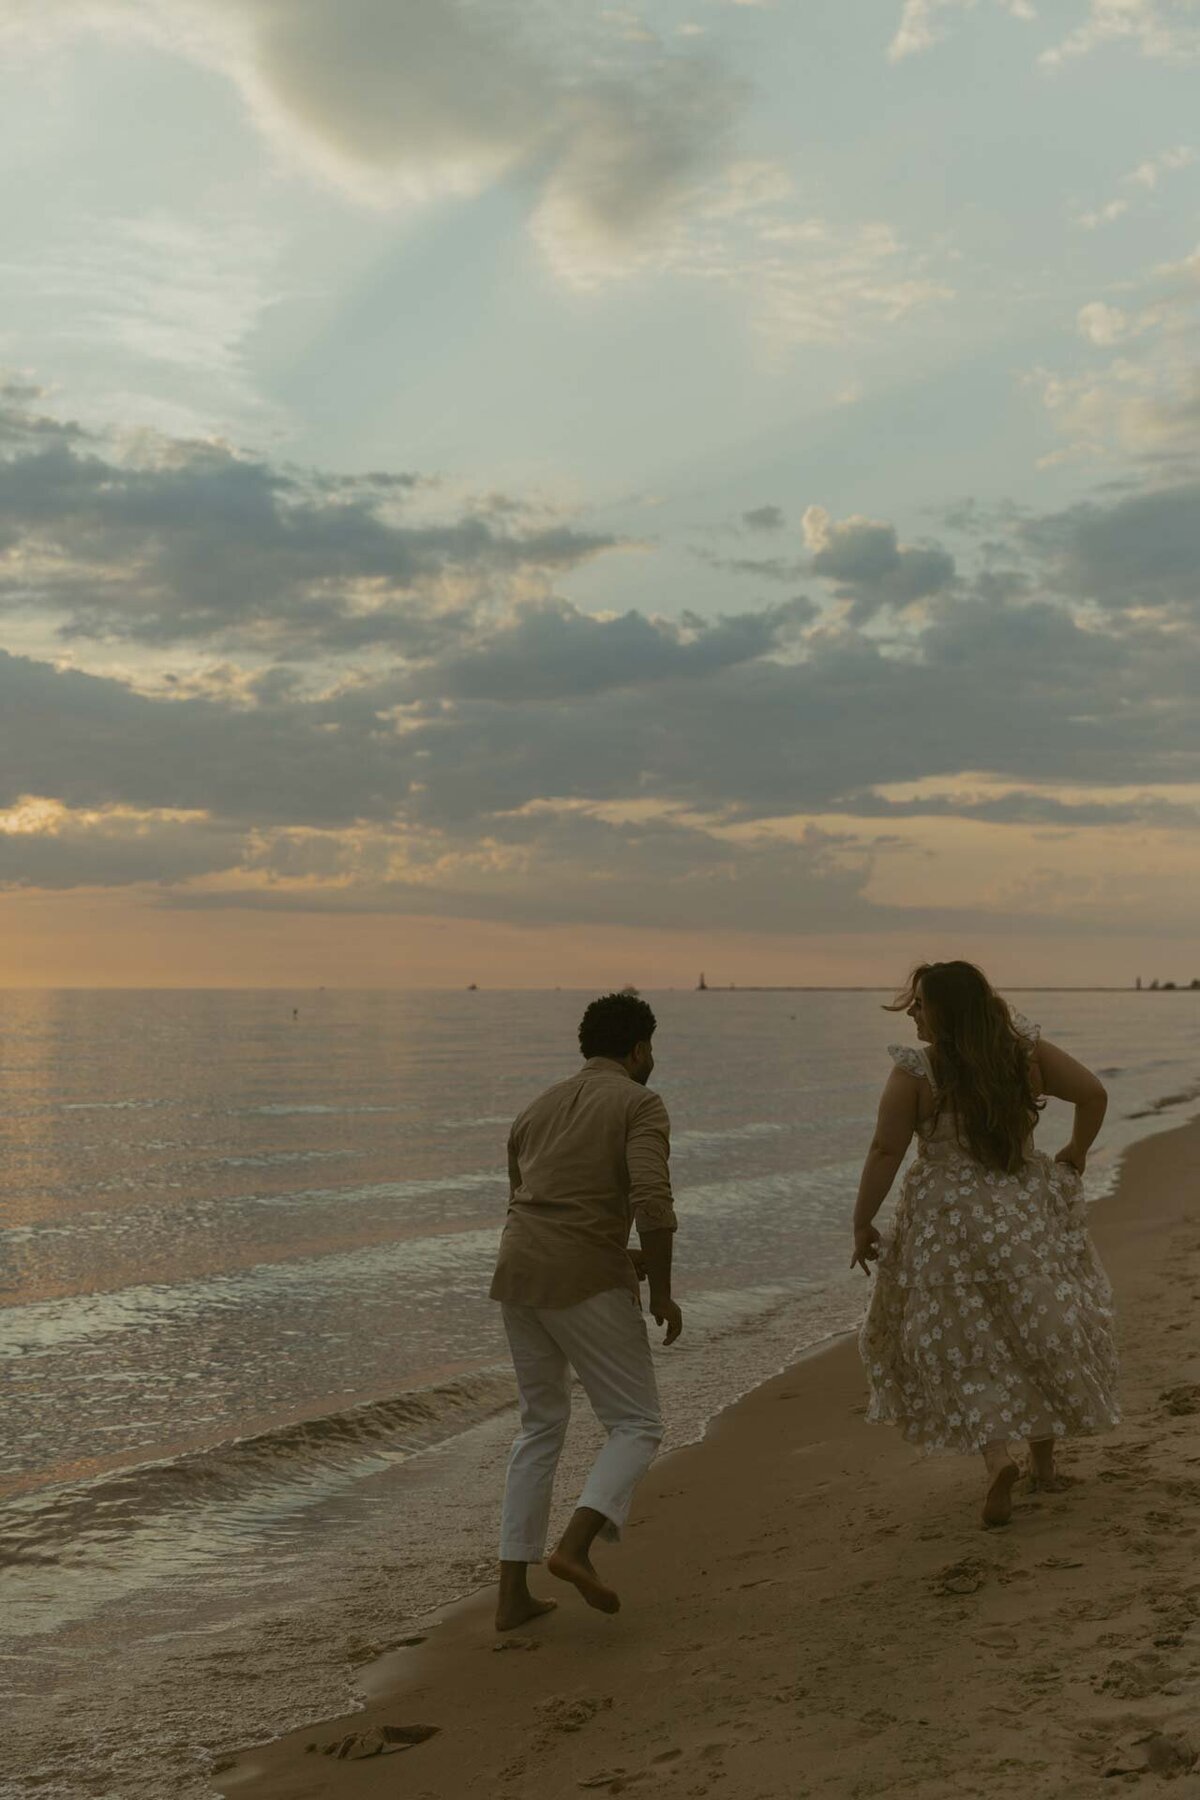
<point x="894" y="1129"/>
<point x="1065" y="1079"/>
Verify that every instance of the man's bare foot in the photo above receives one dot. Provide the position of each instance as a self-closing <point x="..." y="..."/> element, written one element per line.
<point x="997" y="1507"/>
<point x="569" y="1566"/>
<point x="519" y="1610"/>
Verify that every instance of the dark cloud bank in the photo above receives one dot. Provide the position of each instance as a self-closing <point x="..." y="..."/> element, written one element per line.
<point x="411" y="693"/>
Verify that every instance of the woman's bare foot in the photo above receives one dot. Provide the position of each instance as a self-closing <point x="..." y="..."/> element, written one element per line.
<point x="572" y="1566"/>
<point x="997" y="1507"/>
<point x="519" y="1609"/>
<point x="1044" y="1478"/>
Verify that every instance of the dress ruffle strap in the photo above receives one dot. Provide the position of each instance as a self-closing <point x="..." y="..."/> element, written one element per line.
<point x="1024" y="1028"/>
<point x="906" y="1057"/>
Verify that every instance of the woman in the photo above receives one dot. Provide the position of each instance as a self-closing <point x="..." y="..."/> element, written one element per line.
<point x="991" y="1317"/>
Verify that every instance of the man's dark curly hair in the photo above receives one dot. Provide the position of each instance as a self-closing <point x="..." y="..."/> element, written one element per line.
<point x="612" y="1025"/>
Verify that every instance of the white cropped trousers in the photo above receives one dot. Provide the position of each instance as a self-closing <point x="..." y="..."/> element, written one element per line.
<point x="604" y="1340"/>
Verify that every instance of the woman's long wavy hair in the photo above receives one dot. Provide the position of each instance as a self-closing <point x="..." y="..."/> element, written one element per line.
<point x="980" y="1060"/>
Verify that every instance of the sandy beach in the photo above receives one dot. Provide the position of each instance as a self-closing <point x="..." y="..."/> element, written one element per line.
<point x="811" y="1608"/>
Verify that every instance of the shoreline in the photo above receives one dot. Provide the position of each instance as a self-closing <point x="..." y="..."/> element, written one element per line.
<point x="730" y="1642"/>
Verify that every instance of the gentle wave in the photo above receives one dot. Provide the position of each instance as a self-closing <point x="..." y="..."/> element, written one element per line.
<point x="69" y="1518"/>
<point x="1166" y="1102"/>
<point x="291" y="1109"/>
<point x="387" y="1192"/>
<point x="50" y="1325"/>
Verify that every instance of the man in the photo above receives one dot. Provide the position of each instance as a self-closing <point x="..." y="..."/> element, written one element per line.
<point x="585" y="1160"/>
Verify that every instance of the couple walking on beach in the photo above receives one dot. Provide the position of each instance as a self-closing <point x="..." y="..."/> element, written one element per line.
<point x="990" y="1318"/>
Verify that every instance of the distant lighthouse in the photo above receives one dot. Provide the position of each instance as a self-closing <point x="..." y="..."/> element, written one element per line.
<point x="702" y="985"/>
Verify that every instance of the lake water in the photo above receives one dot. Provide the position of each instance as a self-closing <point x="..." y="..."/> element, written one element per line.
<point x="256" y="1402"/>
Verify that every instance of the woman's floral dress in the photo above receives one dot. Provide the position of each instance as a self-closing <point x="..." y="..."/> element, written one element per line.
<point x="991" y="1316"/>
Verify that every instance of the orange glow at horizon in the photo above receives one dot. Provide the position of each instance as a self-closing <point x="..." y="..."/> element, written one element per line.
<point x="104" y="940"/>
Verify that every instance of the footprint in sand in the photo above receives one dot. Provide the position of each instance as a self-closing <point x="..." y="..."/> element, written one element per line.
<point x="562" y="1713"/>
<point x="1179" y="1401"/>
<point x="383" y="1740"/>
<point x="1151" y="1752"/>
<point x="1165" y="1521"/>
<point x="995" y="1637"/>
<point x="616" y="1780"/>
<point x="361" y="1653"/>
<point x="1042" y="1676"/>
<point x="1135" y="1677"/>
<point x="965" y="1577"/>
<point x="1187" y="1489"/>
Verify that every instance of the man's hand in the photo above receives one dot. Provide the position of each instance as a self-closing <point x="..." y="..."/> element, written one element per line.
<point x="1074" y="1159"/>
<point x="665" y="1312"/>
<point x="866" y="1248"/>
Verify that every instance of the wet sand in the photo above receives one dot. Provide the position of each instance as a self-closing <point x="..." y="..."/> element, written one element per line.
<point x="811" y="1608"/>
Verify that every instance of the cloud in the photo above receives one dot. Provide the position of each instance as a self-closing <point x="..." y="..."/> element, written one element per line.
<point x="444" y="96"/>
<point x="48" y="846"/>
<point x="1139" y="552"/>
<point x="559" y="865"/>
<point x="552" y="650"/>
<point x="1144" y="401"/>
<point x="165" y="303"/>
<point x="624" y="153"/>
<point x="923" y="23"/>
<point x="1102" y="324"/>
<point x="803" y="277"/>
<point x="606" y="128"/>
<point x="868" y="564"/>
<point x="176" y="542"/>
<point x="1162" y="30"/>
<point x="504" y="753"/>
<point x="25" y="425"/>
<point x="1149" y="173"/>
<point x="764" y="518"/>
<point x="1030" y="806"/>
<point x="93" y="743"/>
<point x="735" y="719"/>
<point x="1140" y="183"/>
<point x="786" y="569"/>
<point x="1106" y="214"/>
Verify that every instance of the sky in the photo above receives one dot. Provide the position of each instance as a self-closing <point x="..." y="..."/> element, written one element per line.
<point x="551" y="494"/>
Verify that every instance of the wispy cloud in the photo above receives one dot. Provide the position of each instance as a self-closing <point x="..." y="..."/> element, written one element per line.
<point x="626" y="152"/>
<point x="924" y="23"/>
<point x="805" y="278"/>
<point x="1139" y="184"/>
<point x="1143" y="400"/>
<point x="1165" y="30"/>
<point x="165" y="305"/>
